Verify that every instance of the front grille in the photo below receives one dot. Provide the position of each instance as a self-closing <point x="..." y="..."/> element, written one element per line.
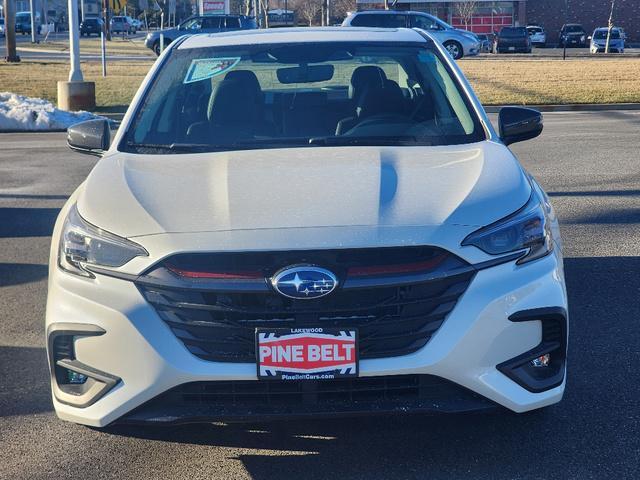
<point x="252" y="399"/>
<point x="394" y="316"/>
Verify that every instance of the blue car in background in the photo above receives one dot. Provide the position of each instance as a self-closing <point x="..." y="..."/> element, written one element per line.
<point x="200" y="24"/>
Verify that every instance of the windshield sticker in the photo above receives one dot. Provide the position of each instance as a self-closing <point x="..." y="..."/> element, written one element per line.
<point x="203" y="68"/>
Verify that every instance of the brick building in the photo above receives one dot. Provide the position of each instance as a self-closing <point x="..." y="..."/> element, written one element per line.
<point x="490" y="15"/>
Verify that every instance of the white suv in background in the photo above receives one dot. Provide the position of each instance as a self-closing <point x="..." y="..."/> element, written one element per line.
<point x="459" y="43"/>
<point x="537" y="35"/>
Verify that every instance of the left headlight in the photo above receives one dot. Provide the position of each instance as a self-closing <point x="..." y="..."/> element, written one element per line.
<point x="84" y="244"/>
<point x="528" y="229"/>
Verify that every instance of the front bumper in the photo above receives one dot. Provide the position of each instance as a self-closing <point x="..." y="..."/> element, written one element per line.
<point x="147" y="360"/>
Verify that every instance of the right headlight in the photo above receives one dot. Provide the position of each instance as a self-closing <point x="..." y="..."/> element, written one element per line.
<point x="527" y="230"/>
<point x="83" y="244"/>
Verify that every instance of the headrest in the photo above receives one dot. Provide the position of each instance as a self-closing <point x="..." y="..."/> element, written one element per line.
<point x="381" y="100"/>
<point x="363" y="77"/>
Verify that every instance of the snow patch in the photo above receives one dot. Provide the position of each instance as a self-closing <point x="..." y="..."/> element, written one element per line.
<point x="29" y="114"/>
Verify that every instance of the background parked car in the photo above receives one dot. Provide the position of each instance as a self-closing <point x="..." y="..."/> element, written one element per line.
<point x="90" y="26"/>
<point x="573" y="35"/>
<point x="486" y="42"/>
<point x="599" y="41"/>
<point x="458" y="42"/>
<point x="537" y="35"/>
<point x="200" y="24"/>
<point x="512" y="40"/>
<point x="1" y="27"/>
<point x="137" y="24"/>
<point x="23" y="23"/>
<point x="122" y="25"/>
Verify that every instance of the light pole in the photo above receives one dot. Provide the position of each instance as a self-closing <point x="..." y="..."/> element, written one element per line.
<point x="10" y="31"/>
<point x="76" y="94"/>
<point x="34" y="31"/>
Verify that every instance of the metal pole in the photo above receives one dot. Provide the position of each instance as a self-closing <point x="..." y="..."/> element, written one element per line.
<point x="606" y="47"/>
<point x="34" y="32"/>
<point x="10" y="31"/>
<point x="75" y="73"/>
<point x="103" y="52"/>
<point x="82" y="10"/>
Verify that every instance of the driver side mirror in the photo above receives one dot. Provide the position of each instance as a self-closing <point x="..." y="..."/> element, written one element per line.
<point x="92" y="137"/>
<point x="517" y="124"/>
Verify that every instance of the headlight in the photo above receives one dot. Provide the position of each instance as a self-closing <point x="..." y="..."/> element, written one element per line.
<point x="528" y="230"/>
<point x="84" y="244"/>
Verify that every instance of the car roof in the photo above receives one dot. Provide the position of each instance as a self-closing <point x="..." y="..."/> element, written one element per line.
<point x="388" y="12"/>
<point x="302" y="35"/>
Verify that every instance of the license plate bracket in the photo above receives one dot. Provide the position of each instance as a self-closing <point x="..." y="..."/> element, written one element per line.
<point x="315" y="353"/>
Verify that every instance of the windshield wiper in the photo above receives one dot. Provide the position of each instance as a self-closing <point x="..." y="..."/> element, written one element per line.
<point x="372" y="141"/>
<point x="213" y="147"/>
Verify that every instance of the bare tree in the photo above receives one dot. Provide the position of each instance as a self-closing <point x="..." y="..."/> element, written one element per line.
<point x="264" y="6"/>
<point x="308" y="9"/>
<point x="465" y="10"/>
<point x="341" y="8"/>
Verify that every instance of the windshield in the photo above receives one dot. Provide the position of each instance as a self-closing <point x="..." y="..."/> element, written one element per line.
<point x="574" y="29"/>
<point x="602" y="35"/>
<point x="513" y="32"/>
<point x="23" y="17"/>
<point x="295" y="95"/>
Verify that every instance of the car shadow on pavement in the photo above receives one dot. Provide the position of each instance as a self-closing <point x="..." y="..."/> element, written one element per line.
<point x="18" y="273"/>
<point x="27" y="222"/>
<point x="593" y="431"/>
<point x="24" y="381"/>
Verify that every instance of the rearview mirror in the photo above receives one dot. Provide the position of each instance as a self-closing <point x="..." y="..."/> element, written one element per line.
<point x="92" y="137"/>
<point x="305" y="74"/>
<point x="517" y="124"/>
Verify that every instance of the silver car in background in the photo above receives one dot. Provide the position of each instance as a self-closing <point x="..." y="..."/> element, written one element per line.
<point x="599" y="41"/>
<point x="459" y="43"/>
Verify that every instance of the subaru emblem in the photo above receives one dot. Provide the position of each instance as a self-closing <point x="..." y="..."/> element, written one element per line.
<point x="304" y="282"/>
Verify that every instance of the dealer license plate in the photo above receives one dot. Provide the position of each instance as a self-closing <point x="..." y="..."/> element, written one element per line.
<point x="512" y="49"/>
<point x="306" y="353"/>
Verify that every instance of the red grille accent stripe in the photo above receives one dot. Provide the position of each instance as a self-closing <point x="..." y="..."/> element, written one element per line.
<point x="398" y="268"/>
<point x="216" y="275"/>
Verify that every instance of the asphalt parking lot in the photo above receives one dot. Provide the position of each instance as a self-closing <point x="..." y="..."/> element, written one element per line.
<point x="589" y="164"/>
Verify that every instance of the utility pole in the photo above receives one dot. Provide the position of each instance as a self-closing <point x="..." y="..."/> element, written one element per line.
<point x="34" y="31"/>
<point x="606" y="47"/>
<point x="10" y="31"/>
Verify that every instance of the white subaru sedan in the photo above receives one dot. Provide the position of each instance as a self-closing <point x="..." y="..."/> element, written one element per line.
<point x="305" y="222"/>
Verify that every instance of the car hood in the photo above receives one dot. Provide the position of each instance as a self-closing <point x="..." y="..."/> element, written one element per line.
<point x="133" y="195"/>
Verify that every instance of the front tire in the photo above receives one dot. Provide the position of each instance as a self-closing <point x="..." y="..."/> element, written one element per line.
<point x="454" y="49"/>
<point x="156" y="48"/>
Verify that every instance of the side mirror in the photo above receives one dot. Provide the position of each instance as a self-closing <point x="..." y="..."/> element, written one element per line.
<point x="92" y="137"/>
<point x="517" y="124"/>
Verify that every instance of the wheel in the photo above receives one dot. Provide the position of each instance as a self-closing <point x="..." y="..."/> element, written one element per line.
<point x="156" y="48"/>
<point x="454" y="49"/>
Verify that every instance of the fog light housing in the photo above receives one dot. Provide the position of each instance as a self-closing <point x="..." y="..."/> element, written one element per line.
<point x="543" y="367"/>
<point x="73" y="382"/>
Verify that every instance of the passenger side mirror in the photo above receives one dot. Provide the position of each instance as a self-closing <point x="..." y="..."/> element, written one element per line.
<point x="517" y="124"/>
<point x="92" y="137"/>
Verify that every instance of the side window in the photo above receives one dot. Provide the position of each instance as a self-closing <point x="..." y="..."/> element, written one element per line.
<point x="212" y="22"/>
<point x="380" y="20"/>
<point x="393" y="21"/>
<point x="424" y="23"/>
<point x="233" y="23"/>
<point x="365" y="20"/>
<point x="193" y="24"/>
